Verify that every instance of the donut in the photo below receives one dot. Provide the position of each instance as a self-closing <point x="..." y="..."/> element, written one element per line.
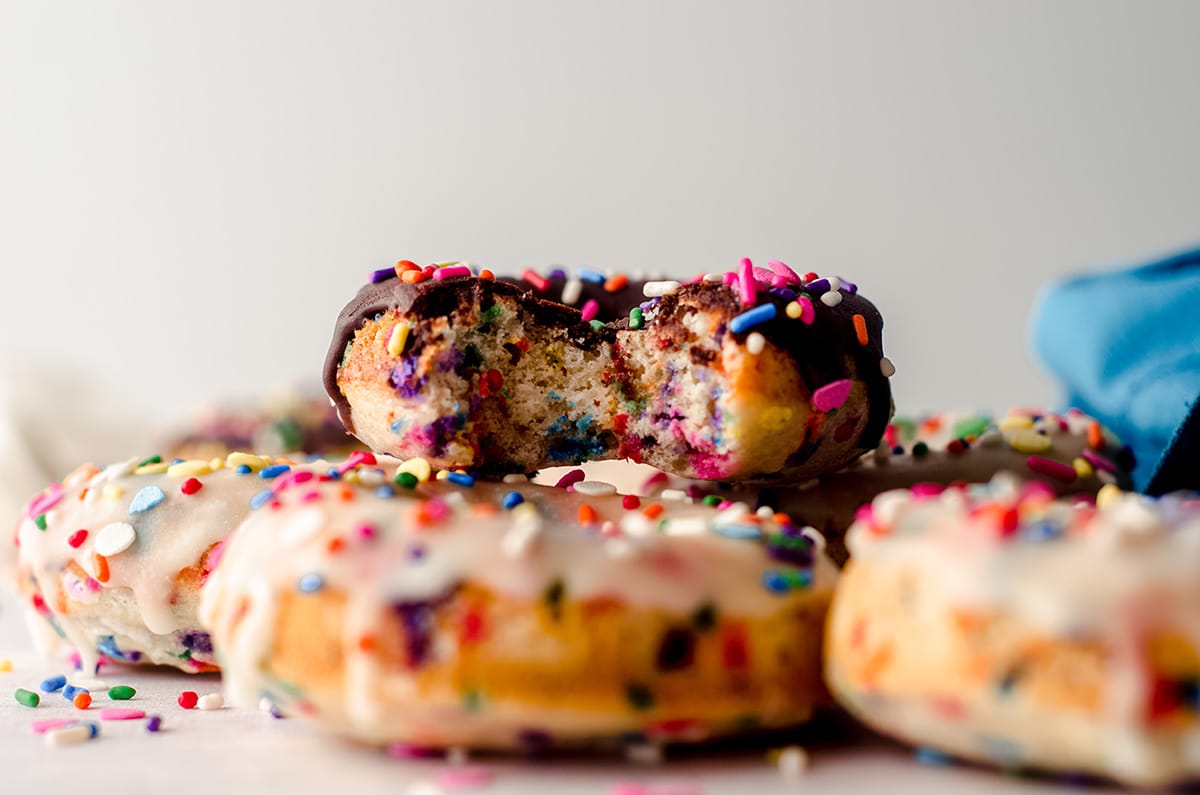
<point x="1001" y="625"/>
<point x="113" y="560"/>
<point x="728" y="376"/>
<point x="289" y="423"/>
<point x="1071" y="453"/>
<point x="400" y="606"/>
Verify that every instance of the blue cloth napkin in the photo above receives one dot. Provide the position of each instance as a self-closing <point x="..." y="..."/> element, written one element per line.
<point x="1126" y="345"/>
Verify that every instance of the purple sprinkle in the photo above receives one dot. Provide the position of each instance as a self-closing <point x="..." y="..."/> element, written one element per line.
<point x="382" y="275"/>
<point x="783" y="293"/>
<point x="818" y="286"/>
<point x="416" y="552"/>
<point x="199" y="642"/>
<point x="154" y="723"/>
<point x="557" y="273"/>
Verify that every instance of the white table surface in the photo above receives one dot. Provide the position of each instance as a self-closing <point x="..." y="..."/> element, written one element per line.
<point x="234" y="750"/>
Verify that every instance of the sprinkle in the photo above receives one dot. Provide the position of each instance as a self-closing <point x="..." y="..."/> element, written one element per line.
<point x="816" y="285"/>
<point x="630" y="502"/>
<point x="1095" y="435"/>
<point x="747" y="286"/>
<point x="273" y="471"/>
<point x="185" y="469"/>
<point x="931" y="756"/>
<point x="261" y="498"/>
<point x="511" y="500"/>
<point x="860" y="329"/>
<point x="1099" y="461"/>
<point x="1082" y="468"/>
<point x="82" y="700"/>
<point x="569" y="479"/>
<point x="571" y="291"/>
<point x="792" y="762"/>
<point x="188" y="699"/>
<point x="154" y="723"/>
<point x="121" y="692"/>
<point x="587" y="514"/>
<point x="590" y="309"/>
<point x="832" y="395"/>
<point x="382" y="275"/>
<point x="755" y="343"/>
<point x="53" y="684"/>
<point x="1052" y="469"/>
<point x="68" y="735"/>
<point x="191" y="486"/>
<point x="658" y="289"/>
<point x="741" y="531"/>
<point x="618" y="282"/>
<point x="211" y="701"/>
<point x="146" y="499"/>
<point x="69" y="692"/>
<point x="101" y="567"/>
<point x="406" y="480"/>
<point x="253" y="462"/>
<point x="121" y="713"/>
<point x="1025" y="440"/>
<point x="592" y="276"/>
<point x="396" y="338"/>
<point x="514" y="477"/>
<point x="40" y="521"/>
<point x="831" y="298"/>
<point x="1108" y="495"/>
<point x="450" y="271"/>
<point x="418" y="467"/>
<point x="27" y="698"/>
<point x="115" y="538"/>
<point x="310" y="583"/>
<point x="460" y="479"/>
<point x="751" y="318"/>
<point x="47" y="724"/>
<point x="539" y="282"/>
<point x="636" y="319"/>
<point x="595" y="488"/>
<point x="5" y="665"/>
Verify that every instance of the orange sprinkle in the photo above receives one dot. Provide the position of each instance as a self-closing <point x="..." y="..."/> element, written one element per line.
<point x="485" y="509"/>
<point x="860" y="328"/>
<point x="487" y="275"/>
<point x="782" y="518"/>
<point x="336" y="545"/>
<point x="1095" y="435"/>
<point x="617" y="282"/>
<point x="82" y="700"/>
<point x="653" y="511"/>
<point x="366" y="644"/>
<point x="346" y="494"/>
<point x="587" y="514"/>
<point x="406" y="265"/>
<point x="101" y="567"/>
<point x="413" y="277"/>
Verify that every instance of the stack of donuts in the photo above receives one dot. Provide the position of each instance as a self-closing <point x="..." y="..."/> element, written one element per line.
<point x="429" y="593"/>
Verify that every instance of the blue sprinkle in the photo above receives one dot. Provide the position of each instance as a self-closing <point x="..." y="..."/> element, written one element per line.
<point x="752" y="317"/>
<point x="154" y="723"/>
<point x="512" y="499"/>
<point x="310" y="583"/>
<point x="69" y="691"/>
<point x="260" y="499"/>
<point x="177" y="461"/>
<point x="460" y="479"/>
<point x="146" y="499"/>
<point x="273" y="471"/>
<point x="53" y="684"/>
<point x="334" y="473"/>
<point x="385" y="492"/>
<point x="93" y="728"/>
<point x="931" y="756"/>
<point x="745" y="531"/>
<point x="398" y="425"/>
<point x="589" y="275"/>
<point x="382" y="275"/>
<point x="243" y="469"/>
<point x="775" y="582"/>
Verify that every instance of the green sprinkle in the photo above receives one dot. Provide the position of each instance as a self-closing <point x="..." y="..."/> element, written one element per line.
<point x="490" y="314"/>
<point x="406" y="479"/>
<point x="636" y="321"/>
<point x="640" y="697"/>
<point x="121" y="692"/>
<point x="596" y="325"/>
<point x="712" y="500"/>
<point x="972" y="426"/>
<point x="27" y="698"/>
<point x="40" y="521"/>
<point x="154" y="459"/>
<point x="920" y="450"/>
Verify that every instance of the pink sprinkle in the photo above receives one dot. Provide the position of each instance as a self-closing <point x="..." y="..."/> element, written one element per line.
<point x="788" y="275"/>
<point x="1035" y="489"/>
<point x="357" y="458"/>
<point x="833" y="395"/>
<point x="695" y="279"/>
<point x="590" y="308"/>
<point x="747" y="287"/>
<point x="116" y="713"/>
<point x="764" y="276"/>
<point x="1051" y="469"/>
<point x="311" y="496"/>
<point x="366" y="531"/>
<point x="807" y="313"/>
<point x="456" y="779"/>
<point x="539" y="282"/>
<point x="724" y="505"/>
<point x="436" y="509"/>
<point x="44" y="501"/>
<point x="864" y="513"/>
<point x="406" y="751"/>
<point x="570" y="479"/>
<point x="216" y="553"/>
<point x="628" y="788"/>
<point x="1099" y="461"/>
<point x="656" y="479"/>
<point x="730" y="277"/>
<point x="926" y="490"/>
<point x="48" y="724"/>
<point x="451" y="270"/>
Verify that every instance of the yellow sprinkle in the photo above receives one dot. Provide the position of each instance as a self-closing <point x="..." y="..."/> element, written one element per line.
<point x="447" y="263"/>
<point x="1027" y="441"/>
<point x="418" y="467"/>
<point x="1107" y="495"/>
<point x="1082" y="468"/>
<point x="1015" y="422"/>
<point x="443" y="474"/>
<point x="794" y="310"/>
<point x="255" y="462"/>
<point x="187" y="469"/>
<point x="5" y="665"/>
<point x="350" y="476"/>
<point x="113" y="492"/>
<point x="152" y="469"/>
<point x="397" y="338"/>
<point x="216" y="463"/>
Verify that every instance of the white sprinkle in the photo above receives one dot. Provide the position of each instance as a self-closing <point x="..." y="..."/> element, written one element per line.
<point x="792" y="762"/>
<point x="644" y="754"/>
<point x="714" y="277"/>
<point x="764" y="512"/>
<point x="755" y="343"/>
<point x="370" y="476"/>
<point x="990" y="438"/>
<point x="831" y="298"/>
<point x="813" y="535"/>
<point x="835" y="283"/>
<point x="686" y="526"/>
<point x="636" y="524"/>
<point x="733" y="514"/>
<point x="656" y="289"/>
<point x="572" y="289"/>
<point x="115" y="538"/>
<point x="886" y="367"/>
<point x="265" y="705"/>
<point x="210" y="701"/>
<point x="595" y="488"/>
<point x="673" y="495"/>
<point x="456" y="756"/>
<point x="515" y="478"/>
<point x="68" y="735"/>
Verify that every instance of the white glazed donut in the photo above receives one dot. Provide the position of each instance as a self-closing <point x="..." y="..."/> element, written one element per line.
<point x="1001" y="625"/>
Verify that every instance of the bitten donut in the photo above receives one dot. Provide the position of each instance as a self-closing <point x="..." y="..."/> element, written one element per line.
<point x="731" y="376"/>
<point x="1001" y="625"/>
<point x="395" y="607"/>
<point x="1071" y="453"/>
<point x="114" y="559"/>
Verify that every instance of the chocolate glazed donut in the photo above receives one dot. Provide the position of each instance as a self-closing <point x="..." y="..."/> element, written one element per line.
<point x="753" y="374"/>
